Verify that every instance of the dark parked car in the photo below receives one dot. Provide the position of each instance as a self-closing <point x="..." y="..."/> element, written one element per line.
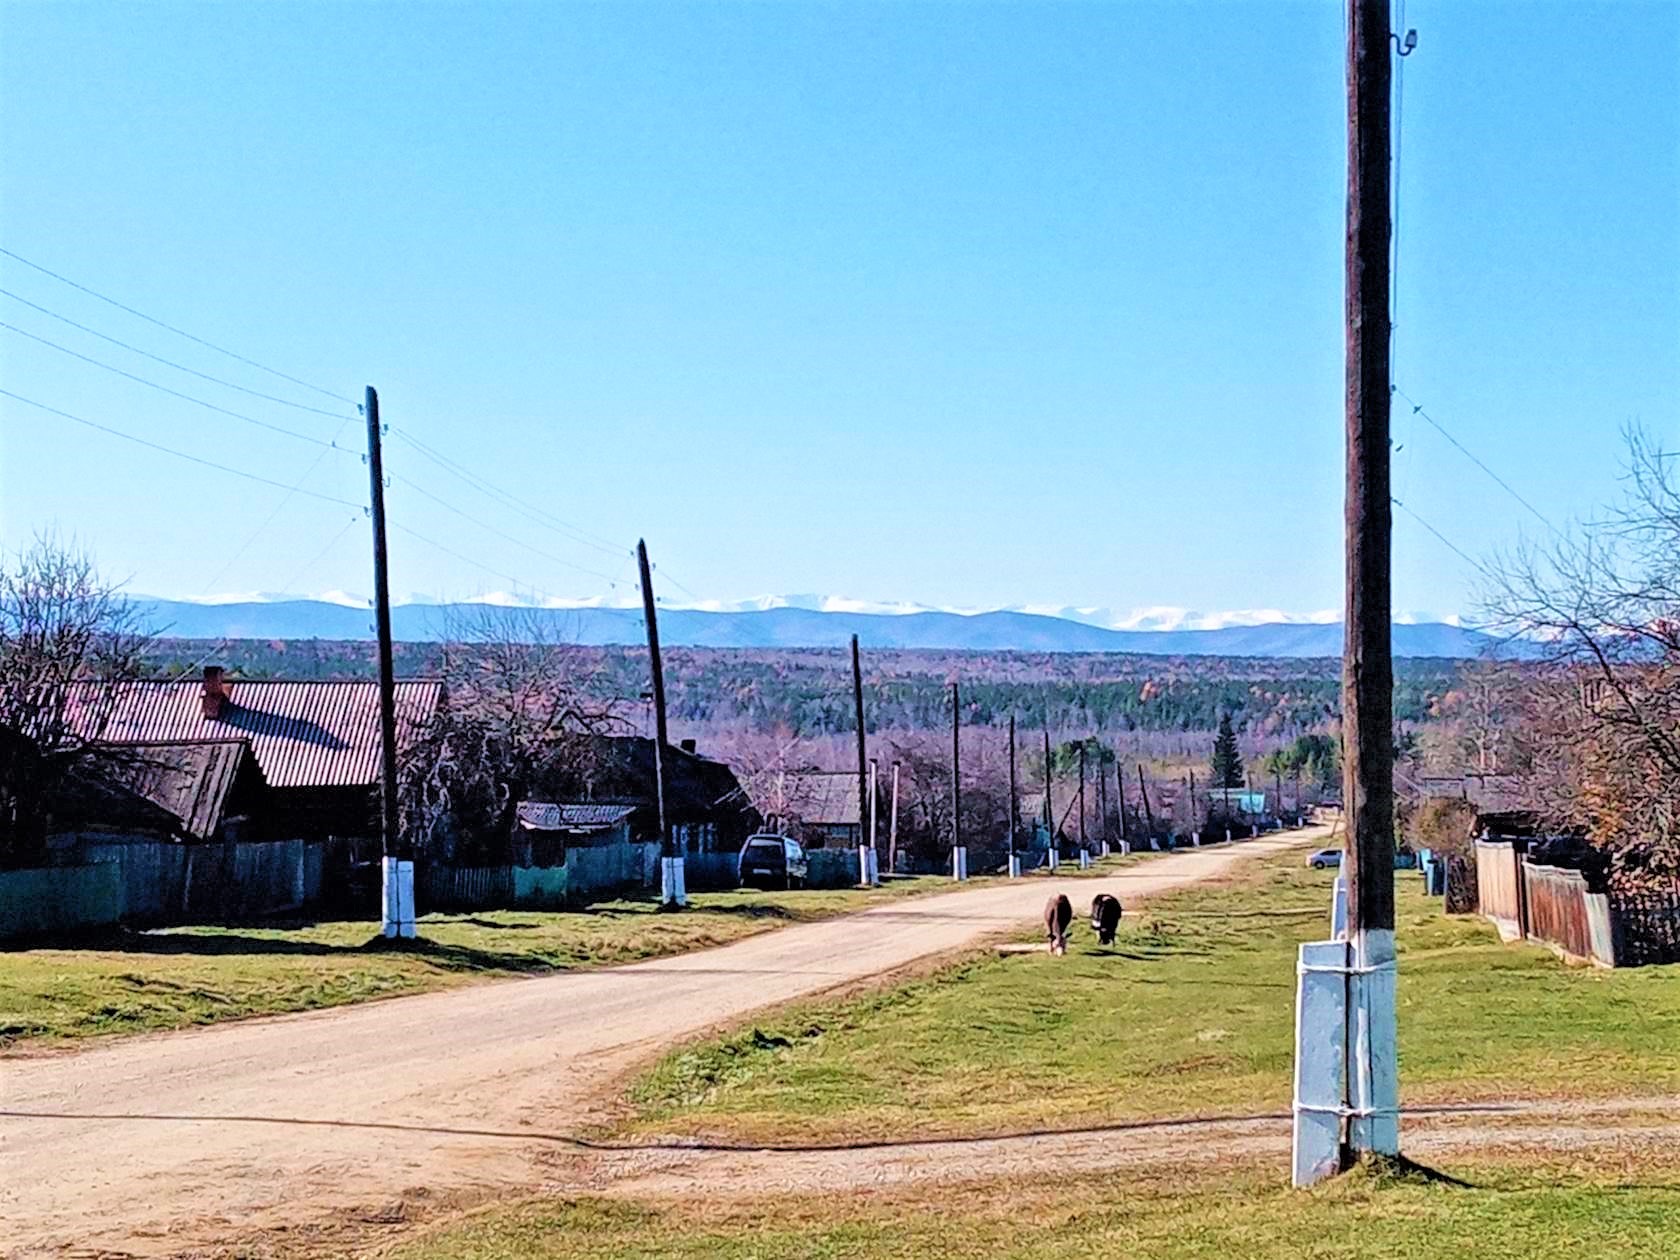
<point x="773" y="862"/>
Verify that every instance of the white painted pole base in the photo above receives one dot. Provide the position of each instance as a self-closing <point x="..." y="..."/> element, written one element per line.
<point x="1320" y="1059"/>
<point x="1084" y="859"/>
<point x="1053" y="857"/>
<point x="1227" y="835"/>
<point x="1105" y="849"/>
<point x="959" y="862"/>
<point x="1374" y="1075"/>
<point x="1196" y="839"/>
<point x="874" y="869"/>
<point x="1014" y="866"/>
<point x="673" y="889"/>
<point x="1339" y="910"/>
<point x="863" y="865"/>
<point x="397" y="899"/>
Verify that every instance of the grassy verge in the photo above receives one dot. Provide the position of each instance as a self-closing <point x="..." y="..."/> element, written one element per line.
<point x="129" y="982"/>
<point x="171" y="978"/>
<point x="1190" y="1013"/>
<point x="1511" y="1214"/>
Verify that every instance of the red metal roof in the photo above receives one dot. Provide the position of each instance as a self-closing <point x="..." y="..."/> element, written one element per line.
<point x="304" y="734"/>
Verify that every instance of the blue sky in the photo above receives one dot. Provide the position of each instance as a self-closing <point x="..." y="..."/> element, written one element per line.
<point x="971" y="305"/>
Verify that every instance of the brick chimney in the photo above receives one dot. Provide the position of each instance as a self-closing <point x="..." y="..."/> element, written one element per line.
<point x="216" y="693"/>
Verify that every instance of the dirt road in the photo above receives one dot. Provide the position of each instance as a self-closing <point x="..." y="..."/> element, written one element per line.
<point x="181" y="1142"/>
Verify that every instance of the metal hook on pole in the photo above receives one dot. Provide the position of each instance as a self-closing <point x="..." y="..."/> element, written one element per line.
<point x="1404" y="47"/>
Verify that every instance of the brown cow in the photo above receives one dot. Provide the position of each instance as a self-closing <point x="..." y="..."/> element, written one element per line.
<point x="1105" y="917"/>
<point x="1058" y="913"/>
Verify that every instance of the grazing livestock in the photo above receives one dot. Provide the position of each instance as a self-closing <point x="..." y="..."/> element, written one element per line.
<point x="1058" y="913"/>
<point x="1105" y="917"/>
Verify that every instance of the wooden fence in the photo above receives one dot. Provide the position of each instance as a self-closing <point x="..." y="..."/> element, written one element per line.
<point x="154" y="883"/>
<point x="1554" y="905"/>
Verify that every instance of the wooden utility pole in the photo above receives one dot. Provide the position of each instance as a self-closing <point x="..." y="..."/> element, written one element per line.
<point x="1102" y="797"/>
<point x="398" y="866"/>
<point x="862" y="757"/>
<point x="1120" y="788"/>
<point x="1148" y="814"/>
<point x="1367" y="661"/>
<point x="1014" y="796"/>
<point x="672" y="890"/>
<point x="892" y="825"/>
<point x="1049" y="778"/>
<point x="1081" y="796"/>
<point x="959" y="855"/>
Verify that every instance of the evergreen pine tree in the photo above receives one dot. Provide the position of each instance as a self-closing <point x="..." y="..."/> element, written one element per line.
<point x="1227" y="760"/>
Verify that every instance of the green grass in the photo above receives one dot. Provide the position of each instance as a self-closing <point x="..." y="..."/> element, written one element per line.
<point x="1189" y="1014"/>
<point x="146" y="981"/>
<point x="1511" y="1214"/>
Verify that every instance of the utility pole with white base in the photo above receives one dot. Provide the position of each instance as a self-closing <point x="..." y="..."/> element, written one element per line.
<point x="959" y="851"/>
<point x="397" y="863"/>
<point x="673" y="893"/>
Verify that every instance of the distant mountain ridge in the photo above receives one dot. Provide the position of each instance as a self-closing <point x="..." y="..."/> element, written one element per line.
<point x="792" y="627"/>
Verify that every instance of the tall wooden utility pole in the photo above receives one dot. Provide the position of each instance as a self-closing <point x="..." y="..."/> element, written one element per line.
<point x="959" y="854"/>
<point x="1102" y="799"/>
<point x="1148" y="814"/>
<point x="1367" y="662"/>
<point x="1014" y="797"/>
<point x="672" y="892"/>
<point x="1082" y="796"/>
<point x="892" y="825"/>
<point x="1120" y="789"/>
<point x="1195" y="819"/>
<point x="397" y="918"/>
<point x="1049" y="815"/>
<point x="862" y="761"/>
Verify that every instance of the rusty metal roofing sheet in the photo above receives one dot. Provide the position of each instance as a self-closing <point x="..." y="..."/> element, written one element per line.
<point x="304" y="734"/>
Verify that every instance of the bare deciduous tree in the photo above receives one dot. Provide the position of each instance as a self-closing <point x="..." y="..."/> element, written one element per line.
<point x="1603" y="713"/>
<point x="522" y="704"/>
<point x="62" y="627"/>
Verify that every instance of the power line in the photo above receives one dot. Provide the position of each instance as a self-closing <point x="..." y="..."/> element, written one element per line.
<point x="179" y="332"/>
<point x="448" y="506"/>
<point x="269" y="519"/>
<point x="1442" y="538"/>
<point x="540" y="516"/>
<point x="1417" y="410"/>
<point x="169" y="450"/>
<point x="174" y="393"/>
<point x="158" y="358"/>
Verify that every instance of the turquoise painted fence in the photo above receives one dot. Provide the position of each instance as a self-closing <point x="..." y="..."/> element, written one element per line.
<point x="51" y="899"/>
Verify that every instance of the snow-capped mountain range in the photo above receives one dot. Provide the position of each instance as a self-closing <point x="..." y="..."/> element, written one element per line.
<point x="798" y="621"/>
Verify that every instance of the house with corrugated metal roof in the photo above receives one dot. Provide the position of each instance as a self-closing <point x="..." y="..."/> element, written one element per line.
<point x="316" y="744"/>
<point x="817" y="807"/>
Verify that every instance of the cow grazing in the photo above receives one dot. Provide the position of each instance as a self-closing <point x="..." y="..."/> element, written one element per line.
<point x="1105" y="917"/>
<point x="1058" y="913"/>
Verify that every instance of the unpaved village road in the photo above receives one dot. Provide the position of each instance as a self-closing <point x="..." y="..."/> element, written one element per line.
<point x="182" y="1142"/>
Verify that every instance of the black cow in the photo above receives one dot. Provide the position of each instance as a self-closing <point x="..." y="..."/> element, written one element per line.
<point x="1058" y="913"/>
<point x="1105" y="917"/>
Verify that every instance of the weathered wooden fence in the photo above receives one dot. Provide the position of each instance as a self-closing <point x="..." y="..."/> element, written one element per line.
<point x="1565" y="914"/>
<point x="1555" y="906"/>
<point x="157" y="883"/>
<point x="1499" y="886"/>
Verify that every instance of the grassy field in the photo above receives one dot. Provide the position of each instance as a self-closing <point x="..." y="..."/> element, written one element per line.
<point x="129" y="982"/>
<point x="1512" y="1213"/>
<point x="171" y="978"/>
<point x="1190" y="1013"/>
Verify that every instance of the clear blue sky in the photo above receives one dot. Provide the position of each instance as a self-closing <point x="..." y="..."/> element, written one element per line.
<point x="962" y="304"/>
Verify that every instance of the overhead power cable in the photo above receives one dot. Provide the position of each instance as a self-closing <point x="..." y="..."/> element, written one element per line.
<point x="1442" y="538"/>
<point x="179" y="332"/>
<point x="1417" y="410"/>
<point x="541" y="516"/>
<point x="169" y="450"/>
<point x="158" y="358"/>
<point x="174" y="393"/>
<point x="488" y="528"/>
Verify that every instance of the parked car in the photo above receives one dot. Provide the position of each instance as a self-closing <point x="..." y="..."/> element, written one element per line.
<point x="1325" y="859"/>
<point x="773" y="862"/>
